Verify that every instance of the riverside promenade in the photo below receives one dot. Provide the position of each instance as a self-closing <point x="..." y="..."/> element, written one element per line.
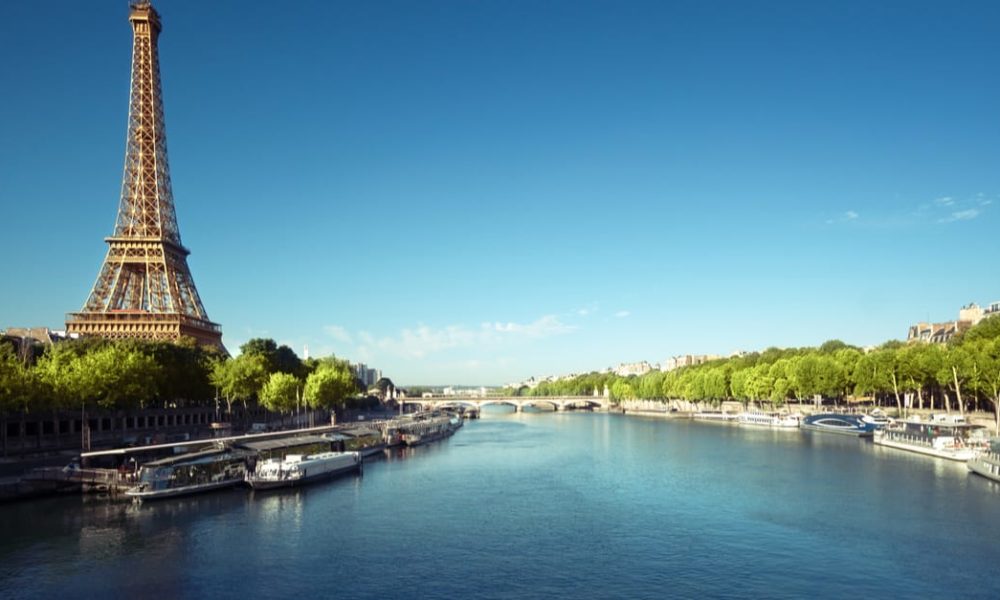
<point x="683" y="409"/>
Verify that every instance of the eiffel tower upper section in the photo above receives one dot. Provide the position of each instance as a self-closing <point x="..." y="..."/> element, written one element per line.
<point x="145" y="289"/>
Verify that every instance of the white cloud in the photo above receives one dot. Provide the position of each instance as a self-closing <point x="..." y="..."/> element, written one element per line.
<point x="944" y="201"/>
<point x="546" y="326"/>
<point x="422" y="340"/>
<point x="962" y="215"/>
<point x="622" y="314"/>
<point x="339" y="333"/>
<point x="845" y="217"/>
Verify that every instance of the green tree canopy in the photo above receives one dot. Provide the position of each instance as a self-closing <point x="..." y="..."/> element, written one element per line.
<point x="280" y="393"/>
<point x="329" y="385"/>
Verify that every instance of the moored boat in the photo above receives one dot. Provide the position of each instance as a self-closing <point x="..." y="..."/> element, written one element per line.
<point x="943" y="437"/>
<point x="878" y="418"/>
<point x="423" y="431"/>
<point x="190" y="474"/>
<point x="715" y="415"/>
<point x="987" y="463"/>
<point x="768" y="419"/>
<point x="839" y="423"/>
<point x="296" y="469"/>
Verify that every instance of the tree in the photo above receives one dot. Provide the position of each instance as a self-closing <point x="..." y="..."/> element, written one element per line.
<point x="985" y="329"/>
<point x="15" y="382"/>
<point x="834" y="346"/>
<point x="956" y="367"/>
<point x="280" y="393"/>
<point x="286" y="361"/>
<point x="239" y="378"/>
<point x="622" y="390"/>
<point x="277" y="359"/>
<point x="889" y="361"/>
<point x="329" y="385"/>
<point x="985" y="353"/>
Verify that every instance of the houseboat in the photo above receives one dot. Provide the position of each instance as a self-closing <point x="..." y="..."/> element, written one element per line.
<point x="948" y="437"/>
<point x="190" y="474"/>
<point x="365" y="440"/>
<point x="715" y="415"/>
<point x="422" y="431"/>
<point x="768" y="419"/>
<point x="987" y="463"/>
<point x="298" y="469"/>
<point x="842" y="424"/>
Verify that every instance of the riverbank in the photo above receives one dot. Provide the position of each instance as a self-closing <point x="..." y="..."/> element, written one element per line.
<point x="681" y="409"/>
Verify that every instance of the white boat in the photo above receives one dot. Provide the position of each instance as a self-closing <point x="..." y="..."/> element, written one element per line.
<point x="987" y="464"/>
<point x="878" y="418"/>
<point x="715" y="415"/>
<point x="768" y="419"/>
<point x="948" y="437"/>
<point x="297" y="469"/>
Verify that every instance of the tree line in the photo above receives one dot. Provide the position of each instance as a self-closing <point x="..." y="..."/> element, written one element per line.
<point x="963" y="374"/>
<point x="137" y="374"/>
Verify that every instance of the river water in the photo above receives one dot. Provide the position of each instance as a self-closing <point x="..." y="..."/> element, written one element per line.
<point x="543" y="505"/>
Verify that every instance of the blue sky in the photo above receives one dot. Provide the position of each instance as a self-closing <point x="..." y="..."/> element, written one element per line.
<point x="476" y="192"/>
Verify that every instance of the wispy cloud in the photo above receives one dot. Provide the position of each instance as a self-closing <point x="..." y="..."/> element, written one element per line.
<point x="544" y="327"/>
<point x="846" y="217"/>
<point x="961" y="215"/>
<point x="949" y="209"/>
<point x="622" y="314"/>
<point x="339" y="333"/>
<point x="423" y="340"/>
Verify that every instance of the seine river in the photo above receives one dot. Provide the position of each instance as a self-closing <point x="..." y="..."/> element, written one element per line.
<point x="545" y="505"/>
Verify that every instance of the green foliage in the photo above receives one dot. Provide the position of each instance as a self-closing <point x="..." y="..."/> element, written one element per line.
<point x="280" y="393"/>
<point x="988" y="328"/>
<point x="277" y="359"/>
<point x="240" y="378"/>
<point x="16" y="385"/>
<point x="330" y="384"/>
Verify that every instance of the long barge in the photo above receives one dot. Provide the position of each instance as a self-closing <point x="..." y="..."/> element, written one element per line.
<point x="296" y="469"/>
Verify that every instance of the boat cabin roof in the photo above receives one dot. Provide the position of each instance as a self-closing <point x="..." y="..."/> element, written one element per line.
<point x="190" y="457"/>
<point x="289" y="442"/>
<point x="360" y="432"/>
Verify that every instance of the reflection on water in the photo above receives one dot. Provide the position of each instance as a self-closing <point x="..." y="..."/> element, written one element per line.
<point x="544" y="504"/>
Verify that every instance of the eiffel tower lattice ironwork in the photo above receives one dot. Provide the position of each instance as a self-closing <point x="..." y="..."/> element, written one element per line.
<point x="144" y="288"/>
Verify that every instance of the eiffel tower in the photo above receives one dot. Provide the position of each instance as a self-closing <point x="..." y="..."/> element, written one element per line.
<point x="144" y="288"/>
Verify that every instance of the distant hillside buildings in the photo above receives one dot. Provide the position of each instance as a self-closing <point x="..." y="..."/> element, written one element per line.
<point x="366" y="376"/>
<point x="939" y="333"/>
<point x="637" y="368"/>
<point x="688" y="360"/>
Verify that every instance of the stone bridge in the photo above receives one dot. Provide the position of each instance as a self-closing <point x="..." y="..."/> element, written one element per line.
<point x="518" y="402"/>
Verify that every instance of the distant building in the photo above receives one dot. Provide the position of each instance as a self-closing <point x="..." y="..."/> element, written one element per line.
<point x="936" y="333"/>
<point x="366" y="376"/>
<point x="972" y="313"/>
<point x="636" y="368"/>
<point x="688" y="360"/>
<point x="969" y="316"/>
